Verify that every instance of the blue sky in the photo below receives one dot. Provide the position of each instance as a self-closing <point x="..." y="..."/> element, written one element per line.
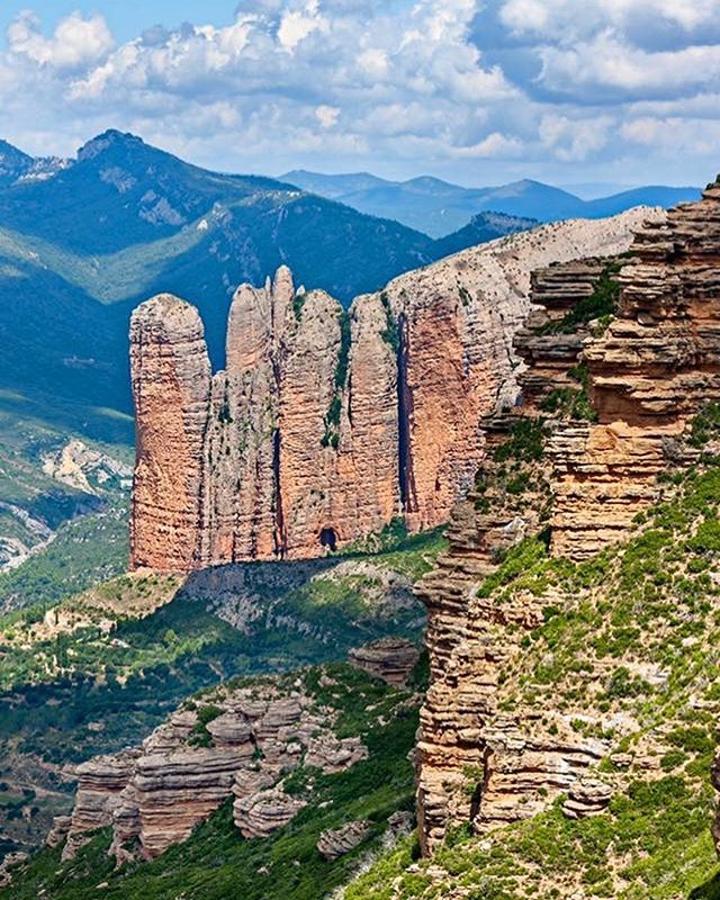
<point x="126" y="18"/>
<point x="476" y="91"/>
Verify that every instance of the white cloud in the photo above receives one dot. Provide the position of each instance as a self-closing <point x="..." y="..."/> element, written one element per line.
<point x="77" y="41"/>
<point x="569" y="19"/>
<point x="401" y="85"/>
<point x="296" y="25"/>
<point x="608" y="62"/>
<point x="494" y="145"/>
<point x="574" y="139"/>
<point x="375" y="62"/>
<point x="327" y="116"/>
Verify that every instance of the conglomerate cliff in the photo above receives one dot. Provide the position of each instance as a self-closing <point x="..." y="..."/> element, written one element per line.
<point x="328" y="424"/>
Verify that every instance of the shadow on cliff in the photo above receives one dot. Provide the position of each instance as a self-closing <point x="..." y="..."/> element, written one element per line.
<point x="254" y="580"/>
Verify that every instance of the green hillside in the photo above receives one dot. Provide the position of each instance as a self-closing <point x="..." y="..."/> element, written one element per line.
<point x="79" y="250"/>
<point x="98" y="671"/>
<point x="217" y="863"/>
<point x="632" y="657"/>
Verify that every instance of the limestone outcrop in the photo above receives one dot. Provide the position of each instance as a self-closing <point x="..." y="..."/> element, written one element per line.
<point x="339" y="841"/>
<point x="620" y="356"/>
<point x="241" y="745"/>
<point x="326" y="425"/>
<point x="392" y="659"/>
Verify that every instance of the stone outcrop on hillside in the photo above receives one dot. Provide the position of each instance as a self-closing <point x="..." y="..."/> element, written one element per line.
<point x="241" y="745"/>
<point x="649" y="374"/>
<point x="337" y="842"/>
<point x="476" y="762"/>
<point x="326" y="425"/>
<point x="101" y="782"/>
<point x="392" y="659"/>
<point x="606" y="406"/>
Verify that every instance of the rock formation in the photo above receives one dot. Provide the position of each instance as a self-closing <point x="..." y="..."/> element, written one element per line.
<point x="588" y="797"/>
<point x="171" y="390"/>
<point x="613" y="380"/>
<point x="649" y="374"/>
<point x="241" y="745"/>
<point x="326" y="425"/>
<point x="392" y="659"/>
<point x="339" y="841"/>
<point x="101" y="782"/>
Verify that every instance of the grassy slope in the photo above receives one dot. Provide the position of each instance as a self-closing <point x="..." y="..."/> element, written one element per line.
<point x="648" y="608"/>
<point x="217" y="863"/>
<point x="127" y="652"/>
<point x="130" y="677"/>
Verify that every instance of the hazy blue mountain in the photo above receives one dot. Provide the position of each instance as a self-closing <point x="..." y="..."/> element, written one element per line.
<point x="438" y="208"/>
<point x="480" y="229"/>
<point x="332" y="186"/>
<point x="653" y="195"/>
<point x="13" y="163"/>
<point x="82" y="244"/>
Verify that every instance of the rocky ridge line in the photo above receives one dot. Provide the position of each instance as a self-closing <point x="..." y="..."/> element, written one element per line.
<point x="328" y="425"/>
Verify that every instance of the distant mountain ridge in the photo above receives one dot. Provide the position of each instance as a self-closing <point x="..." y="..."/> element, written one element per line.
<point x="16" y="166"/>
<point x="82" y="242"/>
<point x="439" y="208"/>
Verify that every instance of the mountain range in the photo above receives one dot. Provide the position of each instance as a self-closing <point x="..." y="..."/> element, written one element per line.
<point x="83" y="241"/>
<point x="438" y="207"/>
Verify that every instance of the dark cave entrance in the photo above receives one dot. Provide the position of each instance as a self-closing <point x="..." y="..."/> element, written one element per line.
<point x="328" y="539"/>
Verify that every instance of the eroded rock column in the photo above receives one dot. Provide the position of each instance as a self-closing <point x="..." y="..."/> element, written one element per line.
<point x="171" y="387"/>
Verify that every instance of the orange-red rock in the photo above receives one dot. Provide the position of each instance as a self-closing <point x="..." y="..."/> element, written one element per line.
<point x="171" y="389"/>
<point x="646" y="375"/>
<point x="328" y="424"/>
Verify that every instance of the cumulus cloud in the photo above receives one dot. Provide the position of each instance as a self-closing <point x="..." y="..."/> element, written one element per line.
<point x="573" y="140"/>
<point x="610" y="67"/>
<point x="569" y="19"/>
<point x="463" y="88"/>
<point x="327" y="116"/>
<point x="77" y="41"/>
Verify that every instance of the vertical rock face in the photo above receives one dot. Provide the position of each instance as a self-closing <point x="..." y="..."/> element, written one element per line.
<point x="613" y="381"/>
<point x="240" y="506"/>
<point x="649" y="373"/>
<point x="309" y="426"/>
<point x="367" y="463"/>
<point x="458" y="319"/>
<point x="327" y="424"/>
<point x="476" y="762"/>
<point x="171" y="389"/>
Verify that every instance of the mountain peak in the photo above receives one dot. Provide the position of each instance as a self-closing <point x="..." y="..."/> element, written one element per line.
<point x="10" y="154"/>
<point x="13" y="162"/>
<point x="110" y="138"/>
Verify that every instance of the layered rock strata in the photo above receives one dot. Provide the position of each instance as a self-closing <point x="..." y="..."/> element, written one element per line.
<point x="171" y="390"/>
<point x="392" y="659"/>
<point x="339" y="841"/>
<point x="242" y="746"/>
<point x="649" y="374"/>
<point x="607" y="402"/>
<point x="326" y="425"/>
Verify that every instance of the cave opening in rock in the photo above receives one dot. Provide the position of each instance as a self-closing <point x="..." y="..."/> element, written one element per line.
<point x="328" y="539"/>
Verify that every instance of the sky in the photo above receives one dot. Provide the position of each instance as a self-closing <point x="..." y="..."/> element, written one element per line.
<point x="476" y="91"/>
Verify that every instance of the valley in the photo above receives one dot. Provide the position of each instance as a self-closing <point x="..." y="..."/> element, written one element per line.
<point x="508" y="456"/>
